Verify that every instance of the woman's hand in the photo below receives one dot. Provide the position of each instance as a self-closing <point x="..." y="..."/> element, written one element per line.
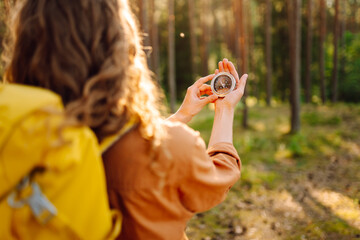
<point x="231" y="99"/>
<point x="193" y="101"/>
<point x="225" y="107"/>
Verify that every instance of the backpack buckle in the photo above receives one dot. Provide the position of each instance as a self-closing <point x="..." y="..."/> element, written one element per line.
<point x="41" y="207"/>
<point x="39" y="204"/>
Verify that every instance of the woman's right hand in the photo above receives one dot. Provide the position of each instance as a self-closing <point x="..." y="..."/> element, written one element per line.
<point x="194" y="100"/>
<point x="231" y="99"/>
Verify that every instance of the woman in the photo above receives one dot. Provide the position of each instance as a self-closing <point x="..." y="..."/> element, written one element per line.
<point x="159" y="172"/>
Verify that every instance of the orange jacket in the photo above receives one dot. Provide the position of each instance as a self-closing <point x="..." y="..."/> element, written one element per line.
<point x="157" y="196"/>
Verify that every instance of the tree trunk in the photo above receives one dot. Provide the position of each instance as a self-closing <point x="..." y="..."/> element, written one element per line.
<point x="251" y="68"/>
<point x="335" y="57"/>
<point x="244" y="51"/>
<point x="193" y="39"/>
<point x="205" y="38"/>
<point x="154" y="37"/>
<point x="322" y="49"/>
<point x="171" y="52"/>
<point x="268" y="51"/>
<point x="241" y="49"/>
<point x="342" y="41"/>
<point x="237" y="34"/>
<point x="294" y="11"/>
<point x="230" y="32"/>
<point x="308" y="92"/>
<point x="145" y="28"/>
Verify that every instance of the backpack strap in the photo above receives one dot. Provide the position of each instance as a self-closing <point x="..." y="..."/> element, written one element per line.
<point x="108" y="142"/>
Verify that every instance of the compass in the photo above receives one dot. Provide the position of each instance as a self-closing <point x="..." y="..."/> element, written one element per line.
<point x="223" y="83"/>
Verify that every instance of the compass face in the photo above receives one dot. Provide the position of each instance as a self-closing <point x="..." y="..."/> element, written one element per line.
<point x="222" y="84"/>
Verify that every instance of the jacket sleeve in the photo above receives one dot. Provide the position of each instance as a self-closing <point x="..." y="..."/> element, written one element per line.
<point x="209" y="175"/>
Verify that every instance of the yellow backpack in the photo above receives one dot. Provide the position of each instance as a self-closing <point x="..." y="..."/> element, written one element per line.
<point x="52" y="182"/>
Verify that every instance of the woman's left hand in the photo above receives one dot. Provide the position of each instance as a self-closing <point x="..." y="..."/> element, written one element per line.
<point x="194" y="100"/>
<point x="230" y="100"/>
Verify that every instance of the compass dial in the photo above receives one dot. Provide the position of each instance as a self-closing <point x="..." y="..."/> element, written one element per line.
<point x="223" y="83"/>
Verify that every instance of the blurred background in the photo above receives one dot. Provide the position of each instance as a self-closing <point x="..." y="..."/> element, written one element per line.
<point x="296" y="130"/>
<point x="315" y="40"/>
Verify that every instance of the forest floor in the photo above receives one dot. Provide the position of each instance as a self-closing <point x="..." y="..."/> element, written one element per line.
<point x="303" y="186"/>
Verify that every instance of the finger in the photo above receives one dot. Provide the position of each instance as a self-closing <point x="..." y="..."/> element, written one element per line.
<point x="221" y="66"/>
<point x="209" y="99"/>
<point x="225" y="63"/>
<point x="237" y="83"/>
<point x="233" y="70"/>
<point x="204" y="87"/>
<point x="242" y="84"/>
<point x="216" y="71"/>
<point x="207" y="92"/>
<point x="203" y="80"/>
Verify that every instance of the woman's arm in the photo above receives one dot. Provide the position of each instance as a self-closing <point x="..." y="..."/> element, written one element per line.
<point x="210" y="174"/>
<point x="222" y="130"/>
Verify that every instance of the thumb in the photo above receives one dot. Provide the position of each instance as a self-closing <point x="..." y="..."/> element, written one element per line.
<point x="209" y="99"/>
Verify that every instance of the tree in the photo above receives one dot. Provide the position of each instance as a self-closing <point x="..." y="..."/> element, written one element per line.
<point x="154" y="37"/>
<point x="342" y="40"/>
<point x="268" y="51"/>
<point x="205" y="37"/>
<point x="322" y="49"/>
<point x="251" y="59"/>
<point x="144" y="23"/>
<point x="294" y="14"/>
<point x="171" y="54"/>
<point x="241" y="48"/>
<point x="193" y="39"/>
<point x="308" y="52"/>
<point x="335" y="57"/>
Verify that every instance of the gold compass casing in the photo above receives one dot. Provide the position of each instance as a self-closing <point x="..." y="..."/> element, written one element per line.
<point x="222" y="84"/>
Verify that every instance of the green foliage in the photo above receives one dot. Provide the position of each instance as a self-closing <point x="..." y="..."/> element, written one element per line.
<point x="256" y="144"/>
<point x="316" y="118"/>
<point x="349" y="85"/>
<point x="296" y="145"/>
<point x="319" y="230"/>
<point x="253" y="178"/>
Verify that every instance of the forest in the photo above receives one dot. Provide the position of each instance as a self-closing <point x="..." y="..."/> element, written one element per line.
<point x="297" y="127"/>
<point x="296" y="130"/>
<point x="315" y="42"/>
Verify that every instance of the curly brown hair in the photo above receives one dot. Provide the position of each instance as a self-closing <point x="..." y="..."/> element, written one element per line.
<point x="90" y="53"/>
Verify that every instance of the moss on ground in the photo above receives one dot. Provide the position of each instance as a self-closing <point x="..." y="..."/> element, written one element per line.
<point x="303" y="186"/>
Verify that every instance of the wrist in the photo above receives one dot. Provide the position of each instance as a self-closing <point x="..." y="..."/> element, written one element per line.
<point x="182" y="117"/>
<point x="223" y="125"/>
<point x="224" y="109"/>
